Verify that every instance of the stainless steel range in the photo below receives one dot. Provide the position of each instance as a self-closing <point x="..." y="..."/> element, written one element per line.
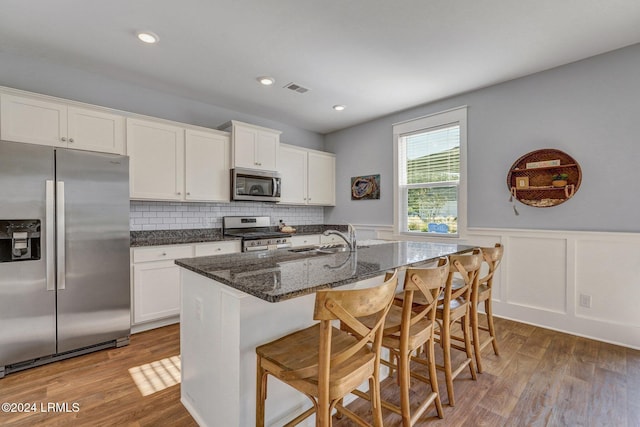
<point x="255" y="232"/>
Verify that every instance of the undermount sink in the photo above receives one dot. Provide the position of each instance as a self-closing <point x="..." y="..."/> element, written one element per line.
<point x="332" y="249"/>
<point x="303" y="250"/>
<point x="323" y="249"/>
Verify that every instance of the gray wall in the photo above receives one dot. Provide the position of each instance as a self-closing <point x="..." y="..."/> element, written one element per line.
<point x="589" y="109"/>
<point x="40" y="76"/>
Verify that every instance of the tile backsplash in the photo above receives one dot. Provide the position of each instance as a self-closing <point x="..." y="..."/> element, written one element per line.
<point x="147" y="215"/>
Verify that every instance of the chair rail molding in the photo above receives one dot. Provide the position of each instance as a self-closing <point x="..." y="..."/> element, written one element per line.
<point x="579" y="282"/>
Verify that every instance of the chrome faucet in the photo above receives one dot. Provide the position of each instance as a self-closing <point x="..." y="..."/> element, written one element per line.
<point x="350" y="239"/>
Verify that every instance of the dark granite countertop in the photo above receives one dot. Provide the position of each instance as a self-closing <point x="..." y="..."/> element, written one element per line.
<point x="203" y="235"/>
<point x="282" y="274"/>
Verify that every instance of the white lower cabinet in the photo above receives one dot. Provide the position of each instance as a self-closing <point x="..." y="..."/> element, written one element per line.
<point x="315" y="239"/>
<point x="155" y="278"/>
<point x="156" y="292"/>
<point x="305" y="240"/>
<point x="331" y="239"/>
<point x="218" y="248"/>
<point x="156" y="282"/>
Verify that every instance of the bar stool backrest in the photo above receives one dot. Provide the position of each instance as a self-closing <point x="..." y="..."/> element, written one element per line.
<point x="347" y="306"/>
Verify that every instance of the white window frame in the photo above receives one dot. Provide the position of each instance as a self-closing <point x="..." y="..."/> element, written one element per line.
<point x="423" y="124"/>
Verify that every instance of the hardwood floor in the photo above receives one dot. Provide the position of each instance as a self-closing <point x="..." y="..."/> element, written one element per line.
<point x="100" y="383"/>
<point x="542" y="378"/>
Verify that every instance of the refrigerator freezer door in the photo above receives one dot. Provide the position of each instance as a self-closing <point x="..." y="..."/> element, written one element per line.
<point x="94" y="303"/>
<point x="27" y="308"/>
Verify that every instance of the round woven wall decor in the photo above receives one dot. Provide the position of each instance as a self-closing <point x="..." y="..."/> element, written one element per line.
<point x="544" y="178"/>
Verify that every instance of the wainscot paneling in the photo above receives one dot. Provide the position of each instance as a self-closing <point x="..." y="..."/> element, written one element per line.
<point x="582" y="283"/>
<point x="536" y="272"/>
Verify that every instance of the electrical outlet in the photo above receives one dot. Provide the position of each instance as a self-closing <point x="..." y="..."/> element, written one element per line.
<point x="198" y="309"/>
<point x="585" y="301"/>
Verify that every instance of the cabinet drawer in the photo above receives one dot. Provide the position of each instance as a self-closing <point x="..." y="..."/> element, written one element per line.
<point x="159" y="253"/>
<point x="305" y="240"/>
<point x="332" y="238"/>
<point x="206" y="249"/>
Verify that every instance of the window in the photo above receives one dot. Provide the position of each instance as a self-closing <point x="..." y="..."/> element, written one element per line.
<point x="430" y="174"/>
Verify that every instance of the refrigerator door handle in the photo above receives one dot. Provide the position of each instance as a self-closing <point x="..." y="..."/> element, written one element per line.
<point x="50" y="235"/>
<point x="60" y="234"/>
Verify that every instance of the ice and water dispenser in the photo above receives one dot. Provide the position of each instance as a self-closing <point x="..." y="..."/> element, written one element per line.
<point x="19" y="240"/>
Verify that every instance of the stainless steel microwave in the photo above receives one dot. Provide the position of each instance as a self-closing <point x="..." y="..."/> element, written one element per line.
<point x="256" y="185"/>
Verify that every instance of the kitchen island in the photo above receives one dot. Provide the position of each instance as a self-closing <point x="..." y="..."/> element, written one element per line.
<point x="232" y="303"/>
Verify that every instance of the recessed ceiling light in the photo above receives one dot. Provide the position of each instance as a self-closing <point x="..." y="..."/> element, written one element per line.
<point x="339" y="107"/>
<point x="266" y="80"/>
<point x="148" y="37"/>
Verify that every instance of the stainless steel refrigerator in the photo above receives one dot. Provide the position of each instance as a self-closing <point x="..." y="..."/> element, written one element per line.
<point x="64" y="253"/>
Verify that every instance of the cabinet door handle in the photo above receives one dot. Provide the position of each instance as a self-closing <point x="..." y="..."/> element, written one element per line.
<point x="63" y="139"/>
<point x="178" y="193"/>
<point x="71" y="140"/>
<point x="218" y="249"/>
<point x="188" y="193"/>
<point x="164" y="254"/>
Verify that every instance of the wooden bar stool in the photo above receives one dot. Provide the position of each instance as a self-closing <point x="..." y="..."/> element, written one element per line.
<point x="408" y="328"/>
<point x="481" y="292"/>
<point x="326" y="363"/>
<point x="454" y="306"/>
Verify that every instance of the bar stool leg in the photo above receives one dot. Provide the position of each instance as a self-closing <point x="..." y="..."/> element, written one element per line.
<point x="475" y="329"/>
<point x="467" y="344"/>
<point x="445" y="341"/>
<point x="404" y="377"/>
<point x="433" y="379"/>
<point x="261" y="387"/>
<point x="492" y="331"/>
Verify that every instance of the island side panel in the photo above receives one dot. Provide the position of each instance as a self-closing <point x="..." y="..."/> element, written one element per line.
<point x="262" y="322"/>
<point x="209" y="346"/>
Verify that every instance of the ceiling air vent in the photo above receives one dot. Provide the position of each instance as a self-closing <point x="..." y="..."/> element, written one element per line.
<point x="296" y="88"/>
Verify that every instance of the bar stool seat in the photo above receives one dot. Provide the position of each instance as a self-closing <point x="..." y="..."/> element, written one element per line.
<point x="326" y="363"/>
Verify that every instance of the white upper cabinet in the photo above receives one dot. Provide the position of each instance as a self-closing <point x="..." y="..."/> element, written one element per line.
<point x="207" y="166"/>
<point x="308" y="176"/>
<point x="321" y="181"/>
<point x="253" y="147"/>
<point x="95" y="130"/>
<point x="293" y="171"/>
<point x="41" y="121"/>
<point x="156" y="160"/>
<point x="173" y="163"/>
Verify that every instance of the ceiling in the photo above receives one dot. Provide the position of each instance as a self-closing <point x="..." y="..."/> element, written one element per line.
<point x="374" y="56"/>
